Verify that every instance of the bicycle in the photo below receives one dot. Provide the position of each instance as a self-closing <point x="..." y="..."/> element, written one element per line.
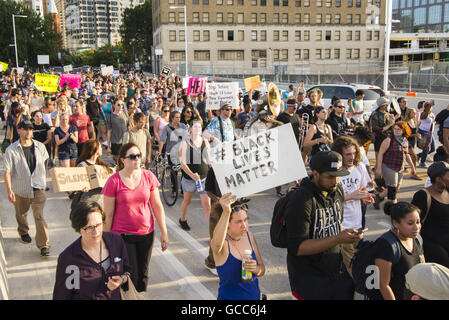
<point x="168" y="176"/>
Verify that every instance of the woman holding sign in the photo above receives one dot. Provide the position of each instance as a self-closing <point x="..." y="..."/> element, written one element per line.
<point x="230" y="243"/>
<point x="194" y="164"/>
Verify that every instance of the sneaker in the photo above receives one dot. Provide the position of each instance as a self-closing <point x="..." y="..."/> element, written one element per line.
<point x="184" y="225"/>
<point x="280" y="194"/>
<point x="25" y="238"/>
<point x="45" y="253"/>
<point x="213" y="271"/>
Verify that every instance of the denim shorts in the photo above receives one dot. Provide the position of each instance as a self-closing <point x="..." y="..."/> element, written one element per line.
<point x="68" y="155"/>
<point x="190" y="185"/>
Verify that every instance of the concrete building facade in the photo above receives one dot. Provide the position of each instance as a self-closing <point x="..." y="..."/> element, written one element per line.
<point x="254" y="36"/>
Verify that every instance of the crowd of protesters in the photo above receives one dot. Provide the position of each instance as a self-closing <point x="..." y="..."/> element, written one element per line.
<point x="136" y="118"/>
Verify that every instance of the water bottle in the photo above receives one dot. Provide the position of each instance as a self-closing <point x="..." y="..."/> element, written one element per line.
<point x="246" y="275"/>
<point x="199" y="186"/>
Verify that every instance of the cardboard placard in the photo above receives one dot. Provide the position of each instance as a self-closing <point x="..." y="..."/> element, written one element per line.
<point x="196" y="86"/>
<point x="46" y="82"/>
<point x="107" y="71"/>
<point x="43" y="59"/>
<point x="3" y="66"/>
<point x="68" y="68"/>
<point x="165" y="70"/>
<point x="78" y="178"/>
<point x="74" y="80"/>
<point x="252" y="83"/>
<point x="257" y="163"/>
<point x="185" y="82"/>
<point x="219" y="93"/>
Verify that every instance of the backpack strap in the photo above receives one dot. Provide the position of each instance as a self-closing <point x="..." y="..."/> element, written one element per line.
<point x="393" y="241"/>
<point x="429" y="202"/>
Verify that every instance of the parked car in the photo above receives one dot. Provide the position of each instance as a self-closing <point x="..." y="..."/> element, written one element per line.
<point x="346" y="91"/>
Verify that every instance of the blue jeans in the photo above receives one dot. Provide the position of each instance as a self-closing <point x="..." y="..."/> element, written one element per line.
<point x="431" y="148"/>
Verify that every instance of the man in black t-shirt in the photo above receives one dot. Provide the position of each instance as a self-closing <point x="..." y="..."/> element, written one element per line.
<point x="290" y="116"/>
<point x="93" y="110"/>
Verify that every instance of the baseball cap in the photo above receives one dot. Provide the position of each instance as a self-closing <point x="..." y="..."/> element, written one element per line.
<point x="329" y="162"/>
<point x="223" y="105"/>
<point x="437" y="169"/>
<point x="25" y="125"/>
<point x="262" y="112"/>
<point x="429" y="281"/>
<point x="382" y="101"/>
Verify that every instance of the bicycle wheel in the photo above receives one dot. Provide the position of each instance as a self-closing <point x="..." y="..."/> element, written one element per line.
<point x="169" y="186"/>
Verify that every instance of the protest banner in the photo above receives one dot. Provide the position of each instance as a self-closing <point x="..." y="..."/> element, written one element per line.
<point x="196" y="86"/>
<point x="107" y="71"/>
<point x="46" y="82"/>
<point x="165" y="70"/>
<point x="3" y="66"/>
<point x="77" y="178"/>
<point x="219" y="93"/>
<point x="252" y="83"/>
<point x="257" y="163"/>
<point x="68" y="68"/>
<point x="74" y="80"/>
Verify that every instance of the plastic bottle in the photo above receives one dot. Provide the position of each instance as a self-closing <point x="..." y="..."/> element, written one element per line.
<point x="246" y="275"/>
<point x="199" y="186"/>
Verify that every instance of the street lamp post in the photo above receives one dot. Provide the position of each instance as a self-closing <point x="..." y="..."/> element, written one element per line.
<point x="388" y="22"/>
<point x="185" y="31"/>
<point x="14" y="31"/>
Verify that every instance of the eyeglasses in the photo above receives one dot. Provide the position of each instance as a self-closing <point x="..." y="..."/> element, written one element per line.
<point x="227" y="109"/>
<point x="91" y="229"/>
<point x="237" y="208"/>
<point x="166" y="110"/>
<point x="188" y="111"/>
<point x="134" y="156"/>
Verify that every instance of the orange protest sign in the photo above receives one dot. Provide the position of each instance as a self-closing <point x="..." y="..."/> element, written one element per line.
<point x="252" y="83"/>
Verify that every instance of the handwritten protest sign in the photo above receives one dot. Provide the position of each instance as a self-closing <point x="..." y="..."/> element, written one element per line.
<point x="257" y="163"/>
<point x="165" y="70"/>
<point x="219" y="93"/>
<point x="74" y="80"/>
<point x="78" y="178"/>
<point x="68" y="68"/>
<point x="252" y="83"/>
<point x="196" y="86"/>
<point x="3" y="66"/>
<point x="107" y="71"/>
<point x="46" y="82"/>
<point x="185" y="82"/>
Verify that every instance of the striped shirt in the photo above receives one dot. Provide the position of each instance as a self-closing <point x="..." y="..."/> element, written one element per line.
<point x="22" y="180"/>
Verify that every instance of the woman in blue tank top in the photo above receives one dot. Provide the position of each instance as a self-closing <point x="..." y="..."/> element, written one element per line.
<point x="230" y="240"/>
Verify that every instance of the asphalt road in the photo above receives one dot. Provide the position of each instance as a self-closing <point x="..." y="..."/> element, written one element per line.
<point x="176" y="274"/>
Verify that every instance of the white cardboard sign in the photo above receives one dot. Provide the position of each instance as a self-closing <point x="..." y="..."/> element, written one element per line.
<point x="219" y="93"/>
<point x="107" y="71"/>
<point x="43" y="59"/>
<point x="68" y="68"/>
<point x="257" y="163"/>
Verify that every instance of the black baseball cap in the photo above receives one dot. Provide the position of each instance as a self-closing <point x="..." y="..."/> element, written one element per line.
<point x="25" y="125"/>
<point x="329" y="162"/>
<point x="437" y="169"/>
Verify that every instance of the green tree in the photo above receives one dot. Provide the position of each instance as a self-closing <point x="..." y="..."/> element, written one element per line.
<point x="137" y="31"/>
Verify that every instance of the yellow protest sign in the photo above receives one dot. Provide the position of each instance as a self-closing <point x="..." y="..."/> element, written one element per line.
<point x="46" y="82"/>
<point x="3" y="66"/>
<point x="252" y="83"/>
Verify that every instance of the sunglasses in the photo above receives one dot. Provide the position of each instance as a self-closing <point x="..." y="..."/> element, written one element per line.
<point x="188" y="111"/>
<point x="166" y="110"/>
<point x="227" y="109"/>
<point x="237" y="208"/>
<point x="134" y="156"/>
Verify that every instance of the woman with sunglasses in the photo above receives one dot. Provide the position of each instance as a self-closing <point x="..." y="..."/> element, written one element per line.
<point x="230" y="241"/>
<point x="97" y="261"/>
<point x="128" y="195"/>
<point x="190" y="114"/>
<point x="319" y="135"/>
<point x="194" y="164"/>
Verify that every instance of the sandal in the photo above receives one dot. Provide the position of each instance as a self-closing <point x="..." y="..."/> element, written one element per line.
<point x="415" y="177"/>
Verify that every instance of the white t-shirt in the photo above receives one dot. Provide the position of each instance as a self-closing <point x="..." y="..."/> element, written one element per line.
<point x="358" y="177"/>
<point x="426" y="124"/>
<point x="364" y="157"/>
<point x="358" y="107"/>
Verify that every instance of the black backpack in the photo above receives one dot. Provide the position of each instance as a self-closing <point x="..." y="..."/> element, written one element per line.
<point x="364" y="258"/>
<point x="278" y="228"/>
<point x="439" y="119"/>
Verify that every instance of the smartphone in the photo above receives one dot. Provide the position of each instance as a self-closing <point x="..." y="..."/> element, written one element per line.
<point x="360" y="231"/>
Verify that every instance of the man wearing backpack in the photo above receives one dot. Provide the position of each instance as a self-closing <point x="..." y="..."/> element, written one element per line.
<point x="313" y="218"/>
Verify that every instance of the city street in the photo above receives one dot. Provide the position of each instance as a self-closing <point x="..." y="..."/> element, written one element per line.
<point x="177" y="274"/>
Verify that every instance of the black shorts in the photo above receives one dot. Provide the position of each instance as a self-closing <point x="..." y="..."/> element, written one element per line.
<point x="378" y="141"/>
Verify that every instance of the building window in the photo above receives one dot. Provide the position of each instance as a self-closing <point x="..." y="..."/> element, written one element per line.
<point x="205" y="17"/>
<point x="306" y="18"/>
<point x="337" y="54"/>
<point x="275" y="17"/>
<point x="240" y="18"/>
<point x="284" y="54"/>
<point x="369" y="35"/>
<point x="205" y="2"/>
<point x="254" y="2"/>
<point x="230" y="35"/>
<point x="177" y="55"/>
<point x="358" y="3"/>
<point x="263" y="35"/>
<point x="306" y="3"/>
<point x="319" y="18"/>
<point x="297" y="54"/>
<point x="357" y="19"/>
<point x="298" y="18"/>
<point x="376" y="53"/>
<point x="348" y="35"/>
<point x="285" y="18"/>
<point x="319" y="3"/>
<point x="328" y="18"/>
<point x="319" y="36"/>
<point x="241" y="35"/>
<point x="348" y="54"/>
<point x="219" y="17"/>
<point x="285" y="35"/>
<point x="298" y="35"/>
<point x="327" y="54"/>
<point x="206" y="35"/>
<point x="172" y="35"/>
<point x="349" y="19"/>
<point x="196" y="35"/>
<point x="196" y="17"/>
<point x="230" y="2"/>
<point x="172" y="17"/>
<point x="276" y="55"/>
<point x="357" y="36"/>
<point x="305" y="54"/>
<point x="276" y="3"/>
<point x="337" y="3"/>
<point x="356" y="54"/>
<point x="368" y="54"/>
<point x="318" y="54"/>
<point x="263" y="18"/>
<point x="181" y="17"/>
<point x="337" y="19"/>
<point x="298" y="3"/>
<point x="253" y="17"/>
<point x="350" y="3"/>
<point x="220" y="36"/>
<point x="275" y="35"/>
<point x="306" y="35"/>
<point x="182" y="35"/>
<point x="328" y="3"/>
<point x="285" y="3"/>
<point x="230" y="17"/>
<point x="328" y="35"/>
<point x="253" y="35"/>
<point x="219" y="2"/>
<point x="263" y="3"/>
<point x="201" y="55"/>
<point x="376" y="35"/>
<point x="230" y="55"/>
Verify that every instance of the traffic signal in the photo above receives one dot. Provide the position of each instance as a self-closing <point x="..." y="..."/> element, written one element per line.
<point x="109" y="51"/>
<point x="126" y="52"/>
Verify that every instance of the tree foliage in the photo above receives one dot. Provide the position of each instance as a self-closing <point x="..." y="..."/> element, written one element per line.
<point x="34" y="35"/>
<point x="137" y="31"/>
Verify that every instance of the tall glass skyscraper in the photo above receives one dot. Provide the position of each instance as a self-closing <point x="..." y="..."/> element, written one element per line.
<point x="421" y="16"/>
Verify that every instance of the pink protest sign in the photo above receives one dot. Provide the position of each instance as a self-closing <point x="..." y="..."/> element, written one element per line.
<point x="74" y="80"/>
<point x="196" y="86"/>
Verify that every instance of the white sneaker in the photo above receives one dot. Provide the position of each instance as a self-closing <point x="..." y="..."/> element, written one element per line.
<point x="213" y="271"/>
